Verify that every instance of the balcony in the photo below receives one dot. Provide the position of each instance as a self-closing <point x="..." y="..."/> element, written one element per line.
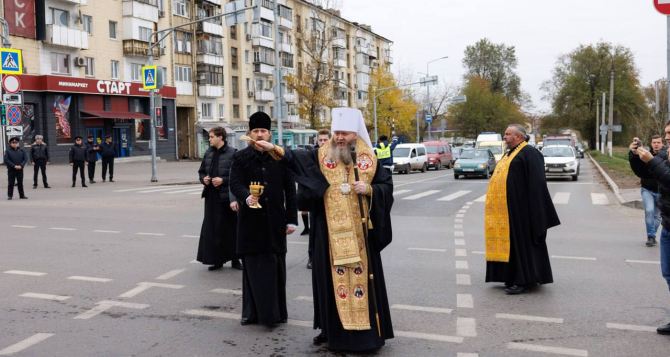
<point x="139" y="48"/>
<point x="210" y="91"/>
<point x="214" y="2"/>
<point x="211" y="59"/>
<point x="141" y="9"/>
<point x="66" y="37"/>
<point x="290" y="97"/>
<point x="210" y="28"/>
<point x="285" y="23"/>
<point x="286" y="47"/>
<point x="264" y="12"/>
<point x="362" y="81"/>
<point x="340" y="42"/>
<point x="341" y="102"/>
<point x="264" y="96"/>
<point x="339" y="62"/>
<point x="76" y="2"/>
<point x="264" y="68"/>
<point x="292" y="118"/>
<point x="184" y="88"/>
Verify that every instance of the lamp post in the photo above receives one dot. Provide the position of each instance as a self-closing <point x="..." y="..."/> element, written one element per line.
<point x="428" y="102"/>
<point x="378" y="92"/>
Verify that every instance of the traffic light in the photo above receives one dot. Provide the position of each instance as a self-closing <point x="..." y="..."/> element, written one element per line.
<point x="3" y="115"/>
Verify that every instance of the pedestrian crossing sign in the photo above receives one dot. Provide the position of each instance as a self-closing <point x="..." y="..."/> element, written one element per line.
<point x="11" y="61"/>
<point x="149" y="77"/>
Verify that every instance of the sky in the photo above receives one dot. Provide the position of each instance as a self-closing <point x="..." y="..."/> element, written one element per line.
<point x="540" y="30"/>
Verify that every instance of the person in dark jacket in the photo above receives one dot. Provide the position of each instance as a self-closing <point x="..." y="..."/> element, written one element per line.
<point x="217" y="235"/>
<point x="15" y="160"/>
<point x="648" y="186"/>
<point x="261" y="232"/>
<point x="108" y="153"/>
<point x="92" y="149"/>
<point x="39" y="156"/>
<point x="77" y="160"/>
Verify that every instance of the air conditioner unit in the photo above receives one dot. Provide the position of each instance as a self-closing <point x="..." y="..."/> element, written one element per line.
<point x="248" y="37"/>
<point x="250" y="94"/>
<point x="80" y="61"/>
<point x="161" y="13"/>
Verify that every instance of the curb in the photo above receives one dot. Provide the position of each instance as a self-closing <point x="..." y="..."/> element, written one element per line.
<point x="614" y="187"/>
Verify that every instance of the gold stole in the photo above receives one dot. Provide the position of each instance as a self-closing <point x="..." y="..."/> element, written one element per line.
<point x="496" y="215"/>
<point x="348" y="258"/>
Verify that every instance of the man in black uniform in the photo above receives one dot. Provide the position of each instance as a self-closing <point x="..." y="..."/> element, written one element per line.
<point x="261" y="232"/>
<point x="39" y="155"/>
<point x="77" y="159"/>
<point x="92" y="149"/>
<point x="108" y="153"/>
<point x="15" y="160"/>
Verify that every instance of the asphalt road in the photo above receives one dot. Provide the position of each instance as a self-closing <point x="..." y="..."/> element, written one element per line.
<point x="108" y="271"/>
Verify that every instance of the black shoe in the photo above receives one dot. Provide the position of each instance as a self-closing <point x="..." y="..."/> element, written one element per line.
<point x="103" y="180"/>
<point x="236" y="264"/>
<point x="215" y="267"/>
<point x="34" y="187"/>
<point x="650" y="242"/>
<point x="91" y="181"/>
<point x="663" y="330"/>
<point x="305" y="232"/>
<point x="73" y="184"/>
<point x="515" y="290"/>
<point x="47" y="186"/>
<point x="320" y="338"/>
<point x="309" y="264"/>
<point x="83" y="185"/>
<point x="9" y="198"/>
<point x="110" y="180"/>
<point x="245" y="321"/>
<point x="23" y="198"/>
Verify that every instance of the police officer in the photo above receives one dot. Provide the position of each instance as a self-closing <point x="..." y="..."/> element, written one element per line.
<point x="108" y="152"/>
<point x="77" y="159"/>
<point x="39" y="156"/>
<point x="92" y="149"/>
<point x="384" y="152"/>
<point x="15" y="160"/>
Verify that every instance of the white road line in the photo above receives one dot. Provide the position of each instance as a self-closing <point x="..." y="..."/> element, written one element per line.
<point x="439" y="310"/>
<point x="189" y="236"/>
<point x="106" y="231"/>
<point x="481" y="199"/>
<point x="459" y="241"/>
<point x="23" y="272"/>
<point x="469" y="203"/>
<point x="464" y="301"/>
<point x="159" y="189"/>
<point x="420" y="195"/>
<point x="422" y="180"/>
<point x="460" y="215"/>
<point x="466" y="327"/>
<point x="304" y="298"/>
<point x="429" y="336"/>
<point x="555" y="320"/>
<point x="89" y="278"/>
<point x="478" y="252"/>
<point x="460" y="252"/>
<point x="458" y="226"/>
<point x="463" y="279"/>
<point x="548" y="349"/>
<point x="462" y="211"/>
<point x="462" y="265"/>
<point x="22" y="345"/>
<point x="45" y="296"/>
<point x="297" y="242"/>
<point x="643" y="261"/>
<point x="194" y="193"/>
<point x="227" y="291"/>
<point x="198" y="190"/>
<point x="105" y="305"/>
<point x="209" y="313"/>
<point x="459" y="234"/>
<point x="561" y="198"/>
<point x="62" y="229"/>
<point x="454" y="195"/>
<point x="170" y="274"/>
<point x="20" y="226"/>
<point x="135" y="189"/>
<point x="458" y="220"/>
<point x="572" y="258"/>
<point x="141" y="287"/>
<point x="626" y="327"/>
<point x="428" y="250"/>
<point x="468" y="354"/>
<point x="400" y="192"/>
<point x="599" y="199"/>
<point x="150" y="234"/>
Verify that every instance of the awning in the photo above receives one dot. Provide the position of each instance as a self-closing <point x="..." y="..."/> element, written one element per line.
<point x="101" y="114"/>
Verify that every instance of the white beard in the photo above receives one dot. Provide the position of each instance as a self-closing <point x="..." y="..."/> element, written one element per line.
<point x="339" y="154"/>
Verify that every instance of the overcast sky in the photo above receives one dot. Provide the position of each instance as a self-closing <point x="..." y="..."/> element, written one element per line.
<point x="540" y="30"/>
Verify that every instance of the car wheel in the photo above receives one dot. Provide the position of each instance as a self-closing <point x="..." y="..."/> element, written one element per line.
<point x="424" y="167"/>
<point x="575" y="177"/>
<point x="408" y="168"/>
<point x="438" y="166"/>
<point x="456" y="177"/>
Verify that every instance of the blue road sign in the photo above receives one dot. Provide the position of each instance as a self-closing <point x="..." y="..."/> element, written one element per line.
<point x="11" y="61"/>
<point x="149" y="77"/>
<point x="429" y="118"/>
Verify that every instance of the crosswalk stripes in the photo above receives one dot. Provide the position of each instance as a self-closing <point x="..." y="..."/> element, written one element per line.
<point x="421" y="195"/>
<point x="400" y="192"/>
<point x="481" y="199"/>
<point x="561" y="198"/>
<point x="454" y="196"/>
<point x="599" y="199"/>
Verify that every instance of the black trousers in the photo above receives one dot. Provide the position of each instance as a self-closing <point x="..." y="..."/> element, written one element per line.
<point x="264" y="288"/>
<point x="91" y="170"/>
<point x="107" y="162"/>
<point x="40" y="164"/>
<point x="78" y="165"/>
<point x="15" y="176"/>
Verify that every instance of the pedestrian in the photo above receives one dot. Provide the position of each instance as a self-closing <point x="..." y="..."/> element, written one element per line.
<point x="39" y="156"/>
<point x="350" y="301"/>
<point x="384" y="152"/>
<point x="92" y="149"/>
<point x="108" y="153"/>
<point x="322" y="138"/>
<point x="15" y="159"/>
<point x="77" y="159"/>
<point x="264" y="219"/>
<point x="648" y="185"/>
<point x="217" y="235"/>
<point x="517" y="214"/>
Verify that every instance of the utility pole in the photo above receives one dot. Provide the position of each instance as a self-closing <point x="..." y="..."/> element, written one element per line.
<point x="597" y="124"/>
<point x="611" y="112"/>
<point x="278" y="75"/>
<point x="152" y="112"/>
<point x="604" y="139"/>
<point x="668" y="64"/>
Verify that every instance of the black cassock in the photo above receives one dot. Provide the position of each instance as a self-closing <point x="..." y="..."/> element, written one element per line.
<point x="531" y="213"/>
<point x="304" y="165"/>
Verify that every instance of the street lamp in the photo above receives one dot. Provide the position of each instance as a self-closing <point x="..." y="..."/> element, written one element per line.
<point x="428" y="102"/>
<point x="376" y="95"/>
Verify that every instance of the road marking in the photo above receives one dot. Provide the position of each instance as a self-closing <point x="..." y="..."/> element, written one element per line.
<point x="439" y="310"/>
<point x="464" y="301"/>
<point x="105" y="305"/>
<point x="572" y="258"/>
<point x="463" y="354"/>
<point x="459" y="241"/>
<point x="141" y="287"/>
<point x="227" y="291"/>
<point x="458" y="220"/>
<point x="530" y="318"/>
<point x="189" y="236"/>
<point x="460" y="215"/>
<point x="460" y="252"/>
<point x="150" y="234"/>
<point x="105" y="231"/>
<point x="45" y="296"/>
<point x="304" y="298"/>
<point x="20" y="226"/>
<point x="429" y="336"/>
<point x="547" y="349"/>
<point x="469" y="203"/>
<point x="89" y="278"/>
<point x="561" y="198"/>
<point x="478" y="252"/>
<point x="209" y="313"/>
<point x="194" y="193"/>
<point x="195" y="190"/>
<point x="459" y="234"/>
<point x="170" y="274"/>
<point x="462" y="211"/>
<point x="297" y="242"/>
<point x="599" y="199"/>
<point x="23" y="272"/>
<point x="428" y="250"/>
<point x="458" y="226"/>
<point x="639" y="328"/>
<point x="463" y="279"/>
<point x="135" y="189"/>
<point x="466" y="327"/>
<point x="643" y="261"/>
<point x="454" y="195"/>
<point x="62" y="229"/>
<point x="400" y="192"/>
<point x="481" y="199"/>
<point x="158" y="189"/>
<point x="422" y="180"/>
<point x="22" y="345"/>
<point x="420" y="195"/>
<point x="462" y="265"/>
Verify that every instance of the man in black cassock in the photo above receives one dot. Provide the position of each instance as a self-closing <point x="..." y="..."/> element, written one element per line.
<point x="344" y="329"/>
<point x="217" y="236"/>
<point x="261" y="232"/>
<point x="516" y="248"/>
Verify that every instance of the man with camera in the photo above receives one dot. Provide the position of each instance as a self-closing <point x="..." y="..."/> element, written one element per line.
<point x="648" y="185"/>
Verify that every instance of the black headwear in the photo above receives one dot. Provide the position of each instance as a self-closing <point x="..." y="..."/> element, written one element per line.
<point x="14" y="140"/>
<point x="77" y="137"/>
<point x="259" y="120"/>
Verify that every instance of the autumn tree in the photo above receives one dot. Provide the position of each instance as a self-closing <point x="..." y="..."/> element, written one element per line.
<point x="396" y="109"/>
<point x="496" y="64"/>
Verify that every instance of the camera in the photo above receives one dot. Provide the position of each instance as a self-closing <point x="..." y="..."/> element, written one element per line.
<point x="637" y="143"/>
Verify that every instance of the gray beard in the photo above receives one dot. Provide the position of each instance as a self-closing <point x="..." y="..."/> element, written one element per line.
<point x="340" y="154"/>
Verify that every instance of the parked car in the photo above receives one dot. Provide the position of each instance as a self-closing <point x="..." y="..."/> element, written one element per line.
<point x="560" y="161"/>
<point x="439" y="154"/>
<point x="475" y="162"/>
<point x="580" y="150"/>
<point x="408" y="157"/>
<point x="496" y="147"/>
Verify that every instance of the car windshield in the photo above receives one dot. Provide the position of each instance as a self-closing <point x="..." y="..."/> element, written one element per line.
<point x="495" y="149"/>
<point x="471" y="154"/>
<point x="401" y="152"/>
<point x="432" y="149"/>
<point x="557" y="151"/>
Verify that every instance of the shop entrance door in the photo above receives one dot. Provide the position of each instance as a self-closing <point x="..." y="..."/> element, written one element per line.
<point x="122" y="141"/>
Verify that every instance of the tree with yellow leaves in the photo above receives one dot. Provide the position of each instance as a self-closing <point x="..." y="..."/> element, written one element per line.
<point x="396" y="109"/>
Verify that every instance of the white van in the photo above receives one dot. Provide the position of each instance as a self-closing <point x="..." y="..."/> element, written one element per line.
<point x="408" y="157"/>
<point x="489" y="136"/>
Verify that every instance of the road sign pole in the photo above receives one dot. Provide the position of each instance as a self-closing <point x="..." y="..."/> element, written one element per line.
<point x="602" y="113"/>
<point x="152" y="111"/>
<point x="611" y="113"/>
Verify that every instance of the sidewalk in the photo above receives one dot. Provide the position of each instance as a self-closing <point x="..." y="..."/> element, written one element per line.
<point x="628" y="197"/>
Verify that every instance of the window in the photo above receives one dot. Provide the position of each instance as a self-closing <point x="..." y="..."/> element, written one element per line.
<point x="60" y="63"/>
<point x="264" y="55"/>
<point x="179" y="8"/>
<point x="236" y="111"/>
<point x="90" y="66"/>
<point x="112" y="29"/>
<point x="59" y="17"/>
<point x="145" y="34"/>
<point x="235" y="85"/>
<point x="286" y="12"/>
<point x="246" y="56"/>
<point x="222" y="111"/>
<point x="182" y="74"/>
<point x="88" y="24"/>
<point x="233" y="57"/>
<point x="266" y="28"/>
<point x="261" y="108"/>
<point x="287" y="60"/>
<point x="135" y="72"/>
<point x="188" y="39"/>
<point x="206" y="110"/>
<point x="248" y="110"/>
<point x="212" y="75"/>
<point x="248" y="84"/>
<point x="115" y="69"/>
<point x="233" y="32"/>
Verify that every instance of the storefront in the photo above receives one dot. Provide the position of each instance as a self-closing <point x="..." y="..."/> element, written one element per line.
<point x="61" y="108"/>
